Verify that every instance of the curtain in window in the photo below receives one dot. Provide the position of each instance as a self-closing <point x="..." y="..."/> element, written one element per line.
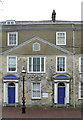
<point x="60" y="64"/>
<point x="12" y="64"/>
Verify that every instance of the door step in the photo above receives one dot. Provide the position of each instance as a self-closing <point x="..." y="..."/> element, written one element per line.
<point x="61" y="105"/>
<point x="10" y="105"/>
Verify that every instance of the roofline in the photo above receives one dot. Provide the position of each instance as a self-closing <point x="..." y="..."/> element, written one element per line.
<point x="43" y="22"/>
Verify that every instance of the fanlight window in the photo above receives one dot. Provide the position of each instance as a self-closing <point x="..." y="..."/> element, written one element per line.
<point x="36" y="47"/>
<point x="61" y="84"/>
<point x="11" y="84"/>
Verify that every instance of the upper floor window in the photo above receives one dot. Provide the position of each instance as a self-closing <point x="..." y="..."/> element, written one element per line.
<point x="11" y="64"/>
<point x="80" y="90"/>
<point x="10" y="22"/>
<point x="81" y="64"/>
<point x="12" y="38"/>
<point x="36" y="64"/>
<point x="61" y="64"/>
<point x="60" y="38"/>
<point x="36" y="47"/>
<point x="36" y="90"/>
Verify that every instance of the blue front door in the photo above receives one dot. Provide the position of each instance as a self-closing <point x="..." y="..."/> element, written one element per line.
<point x="11" y="95"/>
<point x="61" y="95"/>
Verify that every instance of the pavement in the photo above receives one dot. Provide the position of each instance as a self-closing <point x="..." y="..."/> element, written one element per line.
<point x="36" y="112"/>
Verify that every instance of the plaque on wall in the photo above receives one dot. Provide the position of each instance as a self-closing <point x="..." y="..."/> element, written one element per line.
<point x="45" y="95"/>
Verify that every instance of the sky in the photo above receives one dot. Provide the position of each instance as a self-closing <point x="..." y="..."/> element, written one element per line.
<point x="35" y="10"/>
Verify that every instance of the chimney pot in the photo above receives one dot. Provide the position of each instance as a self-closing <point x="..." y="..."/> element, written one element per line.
<point x="53" y="16"/>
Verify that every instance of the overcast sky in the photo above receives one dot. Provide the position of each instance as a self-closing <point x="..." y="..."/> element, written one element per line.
<point x="40" y="9"/>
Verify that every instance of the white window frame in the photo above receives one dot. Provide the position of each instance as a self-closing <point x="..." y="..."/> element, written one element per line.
<point x="80" y="91"/>
<point x="32" y="90"/>
<point x="16" y="64"/>
<point x="57" y="38"/>
<point x="56" y="64"/>
<point x="32" y="65"/>
<point x="80" y="64"/>
<point x="16" y="38"/>
<point x="34" y="46"/>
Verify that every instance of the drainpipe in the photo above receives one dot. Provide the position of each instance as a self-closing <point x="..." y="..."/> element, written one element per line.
<point x="73" y="65"/>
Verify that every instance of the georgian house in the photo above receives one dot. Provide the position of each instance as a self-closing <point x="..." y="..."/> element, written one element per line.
<point x="50" y="52"/>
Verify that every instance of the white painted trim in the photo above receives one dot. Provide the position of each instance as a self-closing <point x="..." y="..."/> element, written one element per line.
<point x="7" y="92"/>
<point x="55" y="93"/>
<point x="16" y="92"/>
<point x="32" y="91"/>
<point x="65" y="65"/>
<point x="67" y="93"/>
<point x="5" y="95"/>
<point x="79" y="90"/>
<point x="16" y="38"/>
<point x="32" y="64"/>
<point x="57" y="38"/>
<point x="10" y="80"/>
<point x="61" y="80"/>
<point x="7" y="64"/>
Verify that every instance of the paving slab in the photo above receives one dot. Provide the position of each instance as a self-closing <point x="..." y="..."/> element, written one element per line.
<point x="31" y="112"/>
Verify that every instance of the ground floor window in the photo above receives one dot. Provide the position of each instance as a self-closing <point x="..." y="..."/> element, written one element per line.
<point x="36" y="90"/>
<point x="81" y="90"/>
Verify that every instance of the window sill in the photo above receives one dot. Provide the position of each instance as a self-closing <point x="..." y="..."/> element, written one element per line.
<point x="80" y="98"/>
<point x="61" y="72"/>
<point x="36" y="72"/>
<point x="36" y="98"/>
<point x="12" y="45"/>
<point x="60" y="44"/>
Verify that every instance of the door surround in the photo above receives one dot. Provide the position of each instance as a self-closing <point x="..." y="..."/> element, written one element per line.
<point x="8" y="79"/>
<point x="61" y="79"/>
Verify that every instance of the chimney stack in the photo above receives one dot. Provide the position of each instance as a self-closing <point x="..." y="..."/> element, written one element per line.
<point x="53" y="16"/>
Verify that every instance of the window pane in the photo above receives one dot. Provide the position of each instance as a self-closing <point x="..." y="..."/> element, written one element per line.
<point x="38" y="64"/>
<point x="38" y="94"/>
<point x="34" y="64"/>
<point x="34" y="86"/>
<point x="34" y="61"/>
<point x="34" y="93"/>
<point x="81" y="64"/>
<point x="29" y="68"/>
<point x="38" y="68"/>
<point x="42" y="64"/>
<point x="34" y="68"/>
<point x="38" y="61"/>
<point x="38" y="86"/>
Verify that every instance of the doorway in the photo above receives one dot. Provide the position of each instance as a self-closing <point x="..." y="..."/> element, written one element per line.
<point x="11" y="93"/>
<point x="61" y="93"/>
